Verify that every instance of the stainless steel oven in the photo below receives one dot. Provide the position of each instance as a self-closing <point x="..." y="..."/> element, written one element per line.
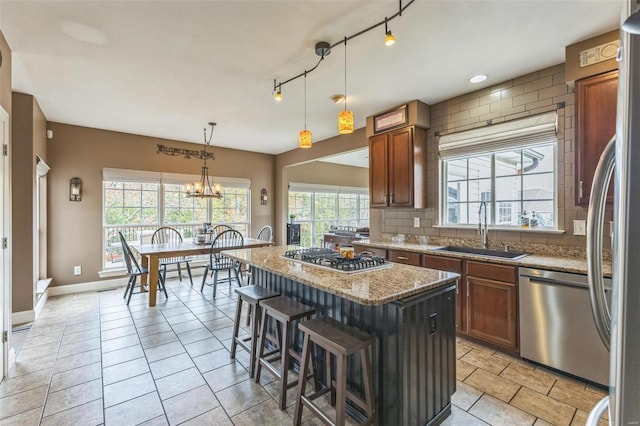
<point x="556" y="325"/>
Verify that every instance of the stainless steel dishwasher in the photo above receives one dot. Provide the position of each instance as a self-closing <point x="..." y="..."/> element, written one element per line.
<point x="556" y="326"/>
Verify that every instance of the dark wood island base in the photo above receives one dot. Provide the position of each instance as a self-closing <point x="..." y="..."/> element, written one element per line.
<point x="410" y="312"/>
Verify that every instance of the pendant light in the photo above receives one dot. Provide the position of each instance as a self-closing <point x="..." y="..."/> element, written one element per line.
<point x="304" y="139"/>
<point x="345" y="118"/>
<point x="204" y="188"/>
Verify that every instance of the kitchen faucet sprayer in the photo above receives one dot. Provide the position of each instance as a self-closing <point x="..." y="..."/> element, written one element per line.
<point x="483" y="232"/>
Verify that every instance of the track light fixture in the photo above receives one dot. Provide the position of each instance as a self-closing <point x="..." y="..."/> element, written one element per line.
<point x="389" y="39"/>
<point x="323" y="48"/>
<point x="277" y="91"/>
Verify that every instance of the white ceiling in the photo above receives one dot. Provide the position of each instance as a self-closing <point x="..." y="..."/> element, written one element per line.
<point x="166" y="68"/>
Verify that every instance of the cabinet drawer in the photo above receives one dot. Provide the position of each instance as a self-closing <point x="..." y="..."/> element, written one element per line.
<point x="492" y="272"/>
<point x="406" y="257"/>
<point x="377" y="251"/>
<point x="448" y="264"/>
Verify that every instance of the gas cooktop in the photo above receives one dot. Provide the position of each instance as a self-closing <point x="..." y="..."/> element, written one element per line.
<point x="327" y="258"/>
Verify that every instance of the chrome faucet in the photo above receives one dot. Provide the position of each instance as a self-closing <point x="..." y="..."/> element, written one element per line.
<point x="483" y="231"/>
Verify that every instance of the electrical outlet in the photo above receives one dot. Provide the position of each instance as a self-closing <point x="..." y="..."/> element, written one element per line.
<point x="77" y="270"/>
<point x="579" y="227"/>
<point x="416" y="222"/>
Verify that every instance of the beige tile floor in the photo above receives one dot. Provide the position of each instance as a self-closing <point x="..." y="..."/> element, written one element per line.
<point x="90" y="360"/>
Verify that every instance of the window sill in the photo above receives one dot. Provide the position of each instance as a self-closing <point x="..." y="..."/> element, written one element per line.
<point x="110" y="273"/>
<point x="507" y="229"/>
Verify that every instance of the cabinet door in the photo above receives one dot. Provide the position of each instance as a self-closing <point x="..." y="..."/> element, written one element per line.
<point x="378" y="172"/>
<point x="401" y="168"/>
<point x="596" y="102"/>
<point x="450" y="264"/>
<point x="491" y="311"/>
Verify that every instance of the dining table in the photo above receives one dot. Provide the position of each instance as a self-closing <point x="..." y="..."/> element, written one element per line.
<point x="152" y="253"/>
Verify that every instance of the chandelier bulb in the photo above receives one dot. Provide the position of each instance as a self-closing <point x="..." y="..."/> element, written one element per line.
<point x="278" y="96"/>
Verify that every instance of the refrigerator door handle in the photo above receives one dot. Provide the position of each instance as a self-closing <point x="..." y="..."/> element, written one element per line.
<point x="597" y="412"/>
<point x="595" y="226"/>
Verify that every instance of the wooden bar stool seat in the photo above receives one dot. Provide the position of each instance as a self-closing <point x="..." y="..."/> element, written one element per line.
<point x="253" y="295"/>
<point x="286" y="312"/>
<point x="341" y="341"/>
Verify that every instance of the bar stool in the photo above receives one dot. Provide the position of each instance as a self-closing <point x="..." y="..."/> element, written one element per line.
<point x="253" y="295"/>
<point x="284" y="311"/>
<point x="340" y="340"/>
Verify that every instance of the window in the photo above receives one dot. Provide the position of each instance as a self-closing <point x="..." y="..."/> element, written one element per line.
<point x="512" y="169"/>
<point x="136" y="203"/>
<point x="317" y="207"/>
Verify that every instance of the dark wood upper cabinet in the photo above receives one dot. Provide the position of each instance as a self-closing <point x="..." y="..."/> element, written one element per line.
<point x="397" y="169"/>
<point x="596" y="102"/>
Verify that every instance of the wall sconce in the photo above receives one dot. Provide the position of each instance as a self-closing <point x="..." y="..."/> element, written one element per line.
<point x="263" y="196"/>
<point x="75" y="189"/>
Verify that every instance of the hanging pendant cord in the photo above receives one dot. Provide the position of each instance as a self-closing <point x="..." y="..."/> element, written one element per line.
<point x="305" y="100"/>
<point x="345" y="73"/>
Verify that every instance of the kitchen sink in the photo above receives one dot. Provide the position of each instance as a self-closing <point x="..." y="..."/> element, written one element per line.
<point x="513" y="255"/>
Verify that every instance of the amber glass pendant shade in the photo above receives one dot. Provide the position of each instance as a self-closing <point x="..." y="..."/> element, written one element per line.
<point x="345" y="122"/>
<point x="304" y="140"/>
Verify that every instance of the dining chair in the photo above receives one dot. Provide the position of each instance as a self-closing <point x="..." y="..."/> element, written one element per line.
<point x="265" y="233"/>
<point x="218" y="229"/>
<point x="134" y="270"/>
<point x="227" y="240"/>
<point x="170" y="235"/>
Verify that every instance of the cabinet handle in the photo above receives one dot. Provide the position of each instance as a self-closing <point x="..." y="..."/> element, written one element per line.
<point x="467" y="288"/>
<point x="391" y="195"/>
<point x="402" y="258"/>
<point x="580" y="189"/>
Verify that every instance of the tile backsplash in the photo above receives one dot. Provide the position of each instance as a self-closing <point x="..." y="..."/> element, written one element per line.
<point x="531" y="94"/>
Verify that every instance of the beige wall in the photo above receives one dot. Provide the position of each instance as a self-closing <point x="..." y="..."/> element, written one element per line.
<point x="75" y="228"/>
<point x="28" y="139"/>
<point x="531" y="94"/>
<point x="335" y="145"/>
<point x="328" y="174"/>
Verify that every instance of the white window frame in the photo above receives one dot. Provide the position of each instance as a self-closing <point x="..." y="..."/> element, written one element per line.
<point x="335" y="190"/>
<point x="514" y="135"/>
<point x="141" y="176"/>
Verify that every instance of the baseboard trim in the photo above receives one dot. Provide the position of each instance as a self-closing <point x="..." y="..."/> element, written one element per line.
<point x="23" y="317"/>
<point x="88" y="286"/>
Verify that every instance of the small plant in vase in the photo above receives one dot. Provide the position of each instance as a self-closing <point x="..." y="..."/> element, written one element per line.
<point x="292" y="218"/>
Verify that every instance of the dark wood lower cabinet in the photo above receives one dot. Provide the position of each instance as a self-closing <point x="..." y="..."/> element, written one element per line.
<point x="450" y="264"/>
<point x="486" y="299"/>
<point x="492" y="304"/>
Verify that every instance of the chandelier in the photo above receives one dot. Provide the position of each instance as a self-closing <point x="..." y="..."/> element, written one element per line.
<point x="204" y="188"/>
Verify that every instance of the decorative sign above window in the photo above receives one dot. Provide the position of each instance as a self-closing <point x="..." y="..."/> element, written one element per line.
<point x="187" y="153"/>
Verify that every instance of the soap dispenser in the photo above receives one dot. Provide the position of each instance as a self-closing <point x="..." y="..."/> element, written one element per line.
<point x="524" y="220"/>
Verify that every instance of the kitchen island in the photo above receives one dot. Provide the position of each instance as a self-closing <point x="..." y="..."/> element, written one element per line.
<point x="409" y="310"/>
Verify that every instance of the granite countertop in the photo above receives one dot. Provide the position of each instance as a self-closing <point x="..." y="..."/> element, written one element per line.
<point x="551" y="263"/>
<point x="374" y="287"/>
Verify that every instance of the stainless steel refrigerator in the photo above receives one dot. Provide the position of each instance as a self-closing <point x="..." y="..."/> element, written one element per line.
<point x="620" y="328"/>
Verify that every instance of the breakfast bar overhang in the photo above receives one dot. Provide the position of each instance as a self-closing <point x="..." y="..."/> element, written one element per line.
<point x="409" y="310"/>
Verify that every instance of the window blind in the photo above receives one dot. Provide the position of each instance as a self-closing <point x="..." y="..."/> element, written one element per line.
<point x="327" y="189"/>
<point x="499" y="137"/>
<point x="129" y="175"/>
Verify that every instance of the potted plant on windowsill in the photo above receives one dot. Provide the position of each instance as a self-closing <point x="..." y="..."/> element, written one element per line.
<point x="292" y="218"/>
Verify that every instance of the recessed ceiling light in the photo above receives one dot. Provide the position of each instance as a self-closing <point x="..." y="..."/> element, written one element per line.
<point x="478" y="78"/>
<point x="337" y="98"/>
